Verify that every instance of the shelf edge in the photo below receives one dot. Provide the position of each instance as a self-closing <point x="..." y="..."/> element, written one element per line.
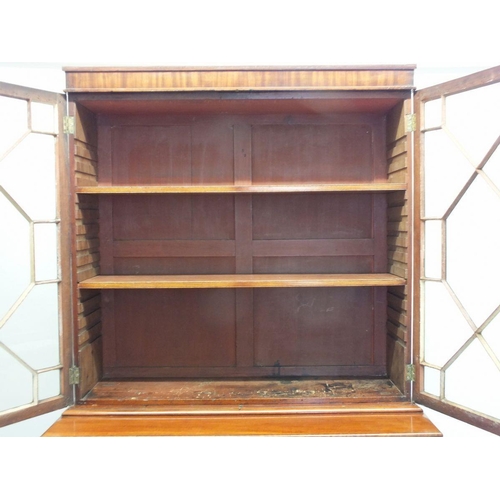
<point x="365" y="187"/>
<point x="241" y="281"/>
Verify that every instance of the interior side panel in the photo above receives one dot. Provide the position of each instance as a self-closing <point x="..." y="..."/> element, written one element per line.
<point x="89" y="320"/>
<point x="398" y="245"/>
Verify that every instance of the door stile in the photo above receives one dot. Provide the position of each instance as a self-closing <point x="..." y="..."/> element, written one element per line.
<point x="417" y="257"/>
<point x="70" y="144"/>
<point x="412" y="200"/>
<point x="66" y="215"/>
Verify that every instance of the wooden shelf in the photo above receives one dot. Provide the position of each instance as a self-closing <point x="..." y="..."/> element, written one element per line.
<point x="242" y="281"/>
<point x="225" y="188"/>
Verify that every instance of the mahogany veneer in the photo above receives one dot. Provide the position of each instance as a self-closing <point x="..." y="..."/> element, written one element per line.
<point x="241" y="223"/>
<point x="242" y="281"/>
<point x="388" y="424"/>
<point x="301" y="188"/>
<point x="318" y="406"/>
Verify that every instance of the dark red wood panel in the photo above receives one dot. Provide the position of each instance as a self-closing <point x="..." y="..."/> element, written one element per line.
<point x="173" y="154"/>
<point x="173" y="217"/>
<point x="327" y="265"/>
<point x="312" y="153"/>
<point x="151" y="155"/>
<point x="310" y="327"/>
<point x="255" y="103"/>
<point x="312" y="215"/>
<point x="244" y="332"/>
<point x="174" y="265"/>
<point x="175" y="328"/>
<point x="212" y="152"/>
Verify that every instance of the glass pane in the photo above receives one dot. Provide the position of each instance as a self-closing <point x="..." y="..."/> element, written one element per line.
<point x="433" y="114"/>
<point x="446" y="329"/>
<point x="49" y="384"/>
<point x="492" y="167"/>
<point x="432" y="381"/>
<point x="15" y="259"/>
<point x="32" y="332"/>
<point x="29" y="313"/>
<point x="28" y="174"/>
<point x="16" y="382"/>
<point x="432" y="249"/>
<point x="473" y="250"/>
<point x="13" y="122"/>
<point x="473" y="381"/>
<point x="46" y="265"/>
<point x="43" y="118"/>
<point x="472" y="118"/>
<point x="492" y="335"/>
<point x="445" y="174"/>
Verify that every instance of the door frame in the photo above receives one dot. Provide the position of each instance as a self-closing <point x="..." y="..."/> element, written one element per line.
<point x="456" y="86"/>
<point x="64" y="210"/>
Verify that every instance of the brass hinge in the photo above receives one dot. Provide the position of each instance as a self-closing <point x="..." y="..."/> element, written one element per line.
<point x="74" y="375"/>
<point x="410" y="373"/>
<point x="411" y="122"/>
<point x="69" y="124"/>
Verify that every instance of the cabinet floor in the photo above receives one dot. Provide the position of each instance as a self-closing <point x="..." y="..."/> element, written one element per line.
<point x="244" y="391"/>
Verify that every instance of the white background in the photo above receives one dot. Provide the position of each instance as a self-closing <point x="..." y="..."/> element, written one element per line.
<point x="445" y="40"/>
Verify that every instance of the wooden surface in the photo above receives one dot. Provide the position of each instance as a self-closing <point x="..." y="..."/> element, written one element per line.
<point x="50" y="100"/>
<point x="399" y="234"/>
<point x="278" y="204"/>
<point x="277" y="188"/>
<point x="241" y="281"/>
<point x="253" y="391"/>
<point x="243" y="103"/>
<point x="469" y="82"/>
<point x="286" y="406"/>
<point x="87" y="257"/>
<point x="237" y="79"/>
<point x="244" y="408"/>
<point x="289" y="270"/>
<point x="352" y="425"/>
<point x="440" y="403"/>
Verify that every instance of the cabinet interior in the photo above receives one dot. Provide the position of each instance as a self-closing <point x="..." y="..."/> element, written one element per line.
<point x="246" y="236"/>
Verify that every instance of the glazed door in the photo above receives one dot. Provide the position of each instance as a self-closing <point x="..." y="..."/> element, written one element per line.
<point x="35" y="316"/>
<point x="457" y="263"/>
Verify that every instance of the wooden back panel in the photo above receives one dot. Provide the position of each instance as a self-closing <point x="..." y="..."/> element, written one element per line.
<point x="309" y="153"/>
<point x="265" y="332"/>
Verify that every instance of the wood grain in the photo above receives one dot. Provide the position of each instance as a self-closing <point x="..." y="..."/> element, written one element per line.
<point x="253" y="391"/>
<point x="246" y="408"/>
<point x="243" y="372"/>
<point x="255" y="188"/>
<point x="193" y="79"/>
<point x="469" y="82"/>
<point x="309" y="406"/>
<point x="314" y="327"/>
<point x="397" y="419"/>
<point x="87" y="258"/>
<point x="218" y="178"/>
<point x="176" y="328"/>
<point x="263" y="103"/>
<point x="242" y="281"/>
<point x="398" y="246"/>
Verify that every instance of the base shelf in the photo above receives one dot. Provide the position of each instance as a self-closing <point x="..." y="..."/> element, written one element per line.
<point x="289" y="407"/>
<point x="363" y="424"/>
<point x="241" y="281"/>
